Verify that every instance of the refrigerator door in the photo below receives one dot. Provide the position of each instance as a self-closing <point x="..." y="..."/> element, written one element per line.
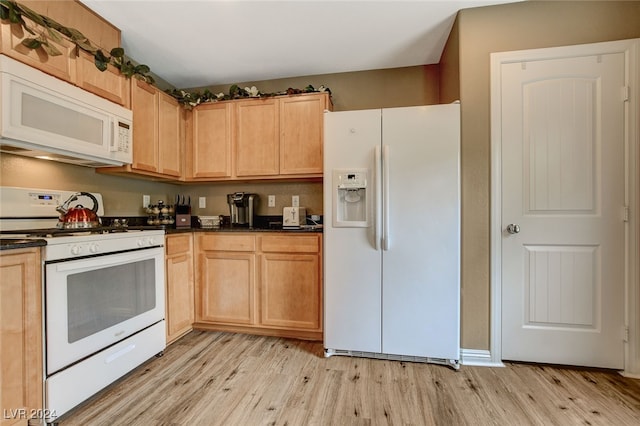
<point x="421" y="261"/>
<point x="352" y="271"/>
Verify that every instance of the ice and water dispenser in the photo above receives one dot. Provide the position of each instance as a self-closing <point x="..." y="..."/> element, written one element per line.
<point x="350" y="194"/>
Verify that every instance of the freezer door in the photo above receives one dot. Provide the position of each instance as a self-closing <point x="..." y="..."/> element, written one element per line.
<point x="421" y="260"/>
<point x="352" y="264"/>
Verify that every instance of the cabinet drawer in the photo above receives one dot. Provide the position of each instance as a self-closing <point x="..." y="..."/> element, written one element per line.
<point x="228" y="242"/>
<point x="290" y="243"/>
<point x="178" y="244"/>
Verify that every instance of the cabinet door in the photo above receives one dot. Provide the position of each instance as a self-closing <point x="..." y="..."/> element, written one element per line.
<point x="169" y="135"/>
<point x="290" y="290"/>
<point x="226" y="287"/>
<point x="61" y="66"/>
<point x="210" y="141"/>
<point x="20" y="333"/>
<point x="180" y="285"/>
<point x="257" y="142"/>
<point x="301" y="134"/>
<point x="110" y="84"/>
<point x="145" y="126"/>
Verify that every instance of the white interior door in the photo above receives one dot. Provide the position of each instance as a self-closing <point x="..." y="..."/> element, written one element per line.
<point x="563" y="186"/>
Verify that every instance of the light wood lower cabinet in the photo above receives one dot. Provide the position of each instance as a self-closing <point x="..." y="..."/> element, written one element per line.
<point x="179" y="285"/>
<point x="20" y="335"/>
<point x="259" y="283"/>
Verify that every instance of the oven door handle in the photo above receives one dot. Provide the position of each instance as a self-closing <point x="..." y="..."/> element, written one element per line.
<point x="107" y="260"/>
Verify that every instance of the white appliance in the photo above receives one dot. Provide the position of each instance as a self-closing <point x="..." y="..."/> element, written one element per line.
<point x="44" y="117"/>
<point x="294" y="217"/>
<point x="104" y="296"/>
<point x="392" y="233"/>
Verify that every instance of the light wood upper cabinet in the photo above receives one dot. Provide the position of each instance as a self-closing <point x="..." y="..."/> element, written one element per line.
<point x="145" y="126"/>
<point x="61" y="66"/>
<point x="170" y="135"/>
<point x="179" y="285"/>
<point x="209" y="136"/>
<point x="257" y="138"/>
<point x="157" y="131"/>
<point x="109" y="84"/>
<point x="301" y="134"/>
<point x="20" y="334"/>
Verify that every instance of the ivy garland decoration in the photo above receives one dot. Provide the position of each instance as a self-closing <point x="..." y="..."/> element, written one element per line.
<point x="192" y="99"/>
<point x="54" y="31"/>
<point x="50" y="30"/>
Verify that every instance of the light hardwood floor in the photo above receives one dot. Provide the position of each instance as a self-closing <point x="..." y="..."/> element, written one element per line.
<point x="209" y="378"/>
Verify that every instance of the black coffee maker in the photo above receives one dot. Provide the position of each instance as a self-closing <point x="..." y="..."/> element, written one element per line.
<point x="242" y="207"/>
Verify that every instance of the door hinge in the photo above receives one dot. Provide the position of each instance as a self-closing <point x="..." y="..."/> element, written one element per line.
<point x="625" y="93"/>
<point x="625" y="337"/>
<point x="625" y="214"/>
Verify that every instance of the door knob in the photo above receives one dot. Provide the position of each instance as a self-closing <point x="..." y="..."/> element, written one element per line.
<point x="513" y="228"/>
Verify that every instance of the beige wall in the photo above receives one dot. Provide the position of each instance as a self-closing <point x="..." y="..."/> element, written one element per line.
<point x="387" y="88"/>
<point x="480" y="31"/>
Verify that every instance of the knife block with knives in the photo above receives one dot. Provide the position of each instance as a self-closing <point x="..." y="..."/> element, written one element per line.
<point x="183" y="212"/>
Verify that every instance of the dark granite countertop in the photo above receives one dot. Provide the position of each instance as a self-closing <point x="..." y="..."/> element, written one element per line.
<point x="241" y="229"/>
<point x="18" y="243"/>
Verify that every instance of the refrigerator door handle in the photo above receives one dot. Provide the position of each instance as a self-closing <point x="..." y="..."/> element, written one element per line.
<point x="377" y="167"/>
<point x="386" y="234"/>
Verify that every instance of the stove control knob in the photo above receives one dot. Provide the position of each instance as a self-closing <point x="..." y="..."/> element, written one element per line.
<point x="140" y="242"/>
<point x="94" y="248"/>
<point x="151" y="241"/>
<point x="76" y="250"/>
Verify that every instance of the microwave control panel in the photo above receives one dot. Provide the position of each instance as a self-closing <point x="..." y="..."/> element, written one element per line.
<point x="123" y="137"/>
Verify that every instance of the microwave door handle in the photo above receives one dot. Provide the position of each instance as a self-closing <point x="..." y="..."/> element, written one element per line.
<point x="113" y="146"/>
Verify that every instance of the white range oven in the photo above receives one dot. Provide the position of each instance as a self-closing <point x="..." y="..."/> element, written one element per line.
<point x="103" y="305"/>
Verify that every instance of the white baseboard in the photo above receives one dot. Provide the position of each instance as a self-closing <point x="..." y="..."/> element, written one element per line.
<point x="479" y="358"/>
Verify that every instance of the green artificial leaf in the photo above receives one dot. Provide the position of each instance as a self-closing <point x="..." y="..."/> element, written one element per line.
<point x="101" y="65"/>
<point x="4" y="10"/>
<point x="34" y="16"/>
<point x="14" y="16"/>
<point x="51" y="49"/>
<point x="76" y="35"/>
<point x="55" y="25"/>
<point x="142" y="69"/>
<point x="117" y="52"/>
<point x="87" y="47"/>
<point x="54" y="35"/>
<point x="127" y="69"/>
<point x="101" y="61"/>
<point x="31" y="43"/>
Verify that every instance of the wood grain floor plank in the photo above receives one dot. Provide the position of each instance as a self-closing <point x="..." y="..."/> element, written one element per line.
<point x="215" y="378"/>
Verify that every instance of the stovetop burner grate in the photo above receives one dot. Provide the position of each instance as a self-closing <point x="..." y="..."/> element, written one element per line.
<point x="58" y="232"/>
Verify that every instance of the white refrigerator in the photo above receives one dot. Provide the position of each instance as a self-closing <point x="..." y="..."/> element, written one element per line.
<point x="392" y="233"/>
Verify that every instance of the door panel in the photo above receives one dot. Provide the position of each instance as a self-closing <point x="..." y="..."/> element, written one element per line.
<point x="352" y="310"/>
<point x="563" y="184"/>
<point x="420" y="269"/>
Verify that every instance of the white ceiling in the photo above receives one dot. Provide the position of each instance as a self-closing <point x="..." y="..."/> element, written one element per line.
<point x="202" y="43"/>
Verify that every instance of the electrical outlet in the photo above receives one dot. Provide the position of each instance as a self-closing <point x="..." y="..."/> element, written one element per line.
<point x="272" y="200"/>
<point x="295" y="201"/>
<point x="146" y="200"/>
<point x="202" y="202"/>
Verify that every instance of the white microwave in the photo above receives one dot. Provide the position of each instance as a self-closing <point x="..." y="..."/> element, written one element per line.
<point x="42" y="116"/>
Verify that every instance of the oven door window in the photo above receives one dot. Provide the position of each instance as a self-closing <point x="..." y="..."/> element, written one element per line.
<point x="95" y="302"/>
<point x="93" y="306"/>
